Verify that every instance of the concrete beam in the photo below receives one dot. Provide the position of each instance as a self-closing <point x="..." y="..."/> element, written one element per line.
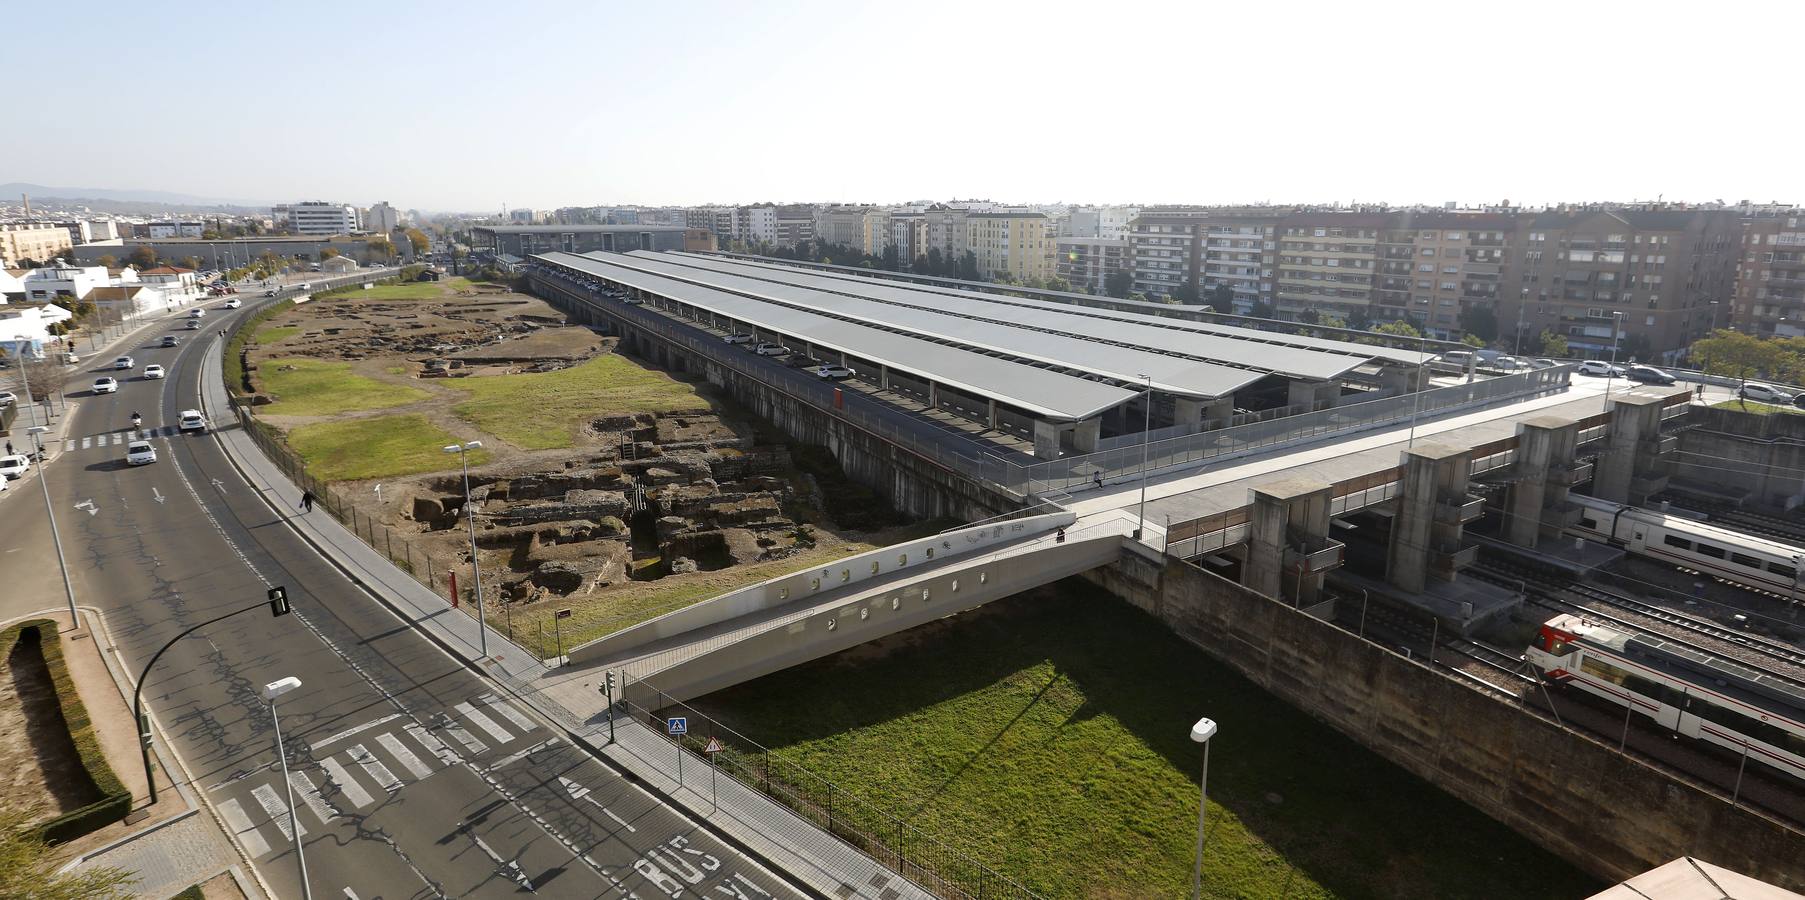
<point x="1630" y="452"/>
<point x="1085" y="434"/>
<point x="1421" y="541"/>
<point x="1289" y="517"/>
<point x="1544" y="452"/>
<point x="1046" y="439"/>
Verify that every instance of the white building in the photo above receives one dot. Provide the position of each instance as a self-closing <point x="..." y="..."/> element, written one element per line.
<point x="63" y="283"/>
<point x="1113" y="221"/>
<point x="382" y="218"/>
<point x="171" y="229"/>
<point x="25" y="327"/>
<point x="317" y="217"/>
<point x="178" y="283"/>
<point x="755" y="223"/>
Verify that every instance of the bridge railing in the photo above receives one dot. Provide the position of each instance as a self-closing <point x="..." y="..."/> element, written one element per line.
<point x="930" y="862"/>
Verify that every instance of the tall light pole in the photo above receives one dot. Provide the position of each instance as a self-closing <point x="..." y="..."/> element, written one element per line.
<point x="1713" y="319"/>
<point x="270" y="692"/>
<point x="482" y="623"/>
<point x="1146" y="442"/>
<point x="37" y="443"/>
<point x="1521" y="303"/>
<point x="1416" y="405"/>
<point x="1616" y="337"/>
<point x="1201" y="733"/>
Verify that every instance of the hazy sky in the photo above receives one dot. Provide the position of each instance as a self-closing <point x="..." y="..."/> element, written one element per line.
<point x="468" y="106"/>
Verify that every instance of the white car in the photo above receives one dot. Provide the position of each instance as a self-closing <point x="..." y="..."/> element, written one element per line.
<point x="153" y="371"/>
<point x="1600" y="368"/>
<point x="196" y="313"/>
<point x="124" y="362"/>
<point x="766" y="348"/>
<point x="14" y="466"/>
<point x="192" y="420"/>
<point x="140" y="453"/>
<point x="8" y="398"/>
<point x="738" y="338"/>
<point x="1764" y="393"/>
<point x="833" y="371"/>
<point x="106" y="386"/>
<point x="233" y="303"/>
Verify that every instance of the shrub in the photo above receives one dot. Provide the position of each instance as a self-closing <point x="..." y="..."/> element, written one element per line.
<point x="115" y="801"/>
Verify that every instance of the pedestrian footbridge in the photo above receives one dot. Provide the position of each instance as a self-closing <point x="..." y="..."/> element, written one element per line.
<point x="795" y="618"/>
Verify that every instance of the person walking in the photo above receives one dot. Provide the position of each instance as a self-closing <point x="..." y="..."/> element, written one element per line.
<point x="307" y="501"/>
<point x="9" y="448"/>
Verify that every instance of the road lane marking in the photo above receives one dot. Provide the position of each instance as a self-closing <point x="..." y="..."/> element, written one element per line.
<point x="523" y="754"/>
<point x="347" y="785"/>
<point x="355" y="729"/>
<point x="85" y="442"/>
<point x="579" y="792"/>
<point x="158" y="495"/>
<point x="508" y="712"/>
<point x="471" y="744"/>
<point x="374" y="766"/>
<point x="485" y="723"/>
<point x="254" y="844"/>
<point x="278" y="811"/>
<point x="310" y="796"/>
<point x="512" y="867"/>
<point x="426" y="739"/>
<point x="408" y="760"/>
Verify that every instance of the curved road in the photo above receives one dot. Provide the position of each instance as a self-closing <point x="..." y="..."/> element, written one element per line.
<point x="412" y="778"/>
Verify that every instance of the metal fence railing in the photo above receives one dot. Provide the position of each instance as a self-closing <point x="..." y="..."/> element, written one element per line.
<point x="927" y="860"/>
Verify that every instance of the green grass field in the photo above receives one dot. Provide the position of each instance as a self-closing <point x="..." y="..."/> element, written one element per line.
<point x="1048" y="737"/>
<point x="270" y="334"/>
<point x="1762" y="408"/>
<point x="541" y="411"/>
<point x="314" y="387"/>
<point x="413" y="290"/>
<point x="376" y="447"/>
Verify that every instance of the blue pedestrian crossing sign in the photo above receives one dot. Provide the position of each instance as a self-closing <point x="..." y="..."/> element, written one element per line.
<point x="676" y="725"/>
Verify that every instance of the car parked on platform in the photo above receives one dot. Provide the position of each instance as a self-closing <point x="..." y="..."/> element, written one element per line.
<point x="1764" y="393"/>
<point x="738" y="337"/>
<point x="1601" y="369"/>
<point x="835" y="372"/>
<point x="1650" y="375"/>
<point x="766" y="348"/>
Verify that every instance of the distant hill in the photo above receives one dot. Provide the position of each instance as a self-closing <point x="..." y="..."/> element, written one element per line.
<point x="123" y="200"/>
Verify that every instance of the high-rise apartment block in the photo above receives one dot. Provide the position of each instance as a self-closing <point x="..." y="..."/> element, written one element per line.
<point x="1013" y="245"/>
<point x="1770" y="277"/>
<point x="1087" y="262"/>
<point x="317" y="217"/>
<point x="40" y="242"/>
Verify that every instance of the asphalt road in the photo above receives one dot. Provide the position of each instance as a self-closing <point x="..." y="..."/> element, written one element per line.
<point x="412" y="778"/>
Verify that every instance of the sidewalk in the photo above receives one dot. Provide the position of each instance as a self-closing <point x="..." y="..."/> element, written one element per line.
<point x="784" y="839"/>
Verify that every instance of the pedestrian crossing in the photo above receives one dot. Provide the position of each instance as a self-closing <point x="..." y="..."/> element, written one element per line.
<point x="360" y="767"/>
<point x="120" y="438"/>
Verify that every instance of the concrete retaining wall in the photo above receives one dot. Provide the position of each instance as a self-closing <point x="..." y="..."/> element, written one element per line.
<point x="1761" y="454"/>
<point x="1606" y="813"/>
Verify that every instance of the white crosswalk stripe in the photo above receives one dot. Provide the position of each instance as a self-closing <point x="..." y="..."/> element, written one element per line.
<point x="486" y="724"/>
<point x="254" y="844"/>
<point x="508" y="712"/>
<point x="310" y="796"/>
<point x="85" y="442"/>
<point x="406" y="757"/>
<point x="278" y="810"/>
<point x="471" y="745"/>
<point x="426" y="739"/>
<point x="363" y="757"/>
<point x="348" y="786"/>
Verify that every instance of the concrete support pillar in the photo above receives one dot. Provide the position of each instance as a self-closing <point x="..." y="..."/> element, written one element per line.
<point x="1629" y="468"/>
<point x="1084" y="434"/>
<point x="1290" y="519"/>
<point x="1426" y="529"/>
<point x="1219" y="413"/>
<point x="1403" y="379"/>
<point x="934" y="397"/>
<point x="990" y="414"/>
<point x="1187" y="413"/>
<point x="1046" y="439"/>
<point x="1544" y="468"/>
<point x="1301" y="394"/>
<point x="1472" y="364"/>
<point x="883" y="377"/>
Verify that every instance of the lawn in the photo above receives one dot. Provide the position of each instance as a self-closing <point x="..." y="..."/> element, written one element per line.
<point x="1762" y="408"/>
<point x="1048" y="738"/>
<point x="376" y="447"/>
<point x="411" y="290"/>
<point x="270" y="334"/>
<point x="541" y="411"/>
<point x="315" y="387"/>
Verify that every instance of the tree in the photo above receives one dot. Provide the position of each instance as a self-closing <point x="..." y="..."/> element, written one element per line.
<point x="1057" y="283"/>
<point x="1554" y="345"/>
<point x="418" y="238"/>
<point x="1118" y="284"/>
<point x="968" y="267"/>
<point x="1261" y="310"/>
<point x="1399" y="328"/>
<point x="141" y="257"/>
<point x="1359" y="319"/>
<point x="328" y="253"/>
<point x="890" y="260"/>
<point x="1309" y="316"/>
<point x="1186" y="294"/>
<point x="380" y="249"/>
<point x="108" y="260"/>
<point x="1222" y="297"/>
<point x="1479" y="321"/>
<point x="27" y="868"/>
<point x="1472" y="340"/>
<point x="191" y="262"/>
<point x="1732" y="354"/>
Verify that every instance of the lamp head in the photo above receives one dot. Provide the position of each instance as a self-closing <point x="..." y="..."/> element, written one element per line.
<point x="1203" y="730"/>
<point x="279" y="687"/>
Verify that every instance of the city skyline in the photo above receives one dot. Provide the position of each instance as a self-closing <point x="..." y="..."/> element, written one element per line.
<point x="1033" y="104"/>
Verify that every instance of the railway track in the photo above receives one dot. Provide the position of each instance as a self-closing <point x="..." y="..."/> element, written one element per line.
<point x="1725" y="515"/>
<point x="1490" y="666"/>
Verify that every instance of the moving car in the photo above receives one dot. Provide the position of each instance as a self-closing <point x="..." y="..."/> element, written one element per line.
<point x="196" y="313"/>
<point x="766" y="348"/>
<point x="8" y="398"/>
<point x="14" y="466"/>
<point x="1764" y="393"/>
<point x="835" y="371"/>
<point x="170" y="340"/>
<point x="1600" y="368"/>
<point x="1650" y="375"/>
<point x="192" y="420"/>
<point x="124" y="362"/>
<point x="738" y="338"/>
<point x="140" y="453"/>
<point x="233" y="303"/>
<point x="106" y="386"/>
<point x="153" y="371"/>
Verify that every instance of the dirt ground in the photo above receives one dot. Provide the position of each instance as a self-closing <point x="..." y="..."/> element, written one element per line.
<point x="26" y="775"/>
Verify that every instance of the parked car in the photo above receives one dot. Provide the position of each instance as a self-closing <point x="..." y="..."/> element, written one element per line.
<point x="153" y="371"/>
<point x="766" y="348"/>
<point x="14" y="466"/>
<point x="234" y="303"/>
<point x="1509" y="364"/>
<point x="105" y="386"/>
<point x="835" y="371"/>
<point x="1650" y="375"/>
<point x="1600" y="368"/>
<point x="738" y="338"/>
<point x="1764" y="393"/>
<point x="124" y="362"/>
<point x="1542" y="362"/>
<point x="140" y="453"/>
<point x="170" y="340"/>
<point x="192" y="420"/>
<point x="8" y="398"/>
<point x="1456" y="357"/>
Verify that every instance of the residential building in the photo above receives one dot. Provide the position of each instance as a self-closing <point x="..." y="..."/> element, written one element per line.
<point x="946" y="231"/>
<point x="841" y="225"/>
<point x="176" y="282"/>
<point x="526" y="240"/>
<point x="875" y="231"/>
<point x="1327" y="262"/>
<point x="1012" y="245"/>
<point x="1240" y="250"/>
<point x="701" y="240"/>
<point x="99" y="230"/>
<point x="521" y="216"/>
<point x="755" y="224"/>
<point x="1081" y="222"/>
<point x="62" y="282"/>
<point x="174" y="229"/>
<point x="317" y="217"/>
<point x="1114" y="222"/>
<point x="1435" y="266"/>
<point x="794" y="224"/>
<point x="25" y="328"/>
<point x="1166" y="250"/>
<point x="39" y="242"/>
<point x="1087" y="262"/>
<point x="382" y="218"/>
<point x="1638" y="278"/>
<point x="132" y="300"/>
<point x="1770" y="278"/>
<point x="718" y="219"/>
<point x="909" y="235"/>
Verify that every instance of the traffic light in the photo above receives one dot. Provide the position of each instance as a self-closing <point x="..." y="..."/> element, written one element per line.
<point x="610" y="684"/>
<point x="278" y="601"/>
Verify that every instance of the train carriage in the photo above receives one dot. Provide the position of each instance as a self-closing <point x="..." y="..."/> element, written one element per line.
<point x="1744" y="559"/>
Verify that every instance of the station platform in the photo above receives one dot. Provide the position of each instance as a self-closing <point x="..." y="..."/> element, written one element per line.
<point x="1574" y="557"/>
<point x="1462" y="606"/>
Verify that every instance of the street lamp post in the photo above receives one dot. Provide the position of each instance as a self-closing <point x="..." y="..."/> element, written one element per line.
<point x="1521" y="302"/>
<point x="1146" y="444"/>
<point x="37" y="443"/>
<point x="1201" y="733"/>
<point x="482" y="623"/>
<point x="270" y="692"/>
<point x="1616" y="338"/>
<point x="1416" y="405"/>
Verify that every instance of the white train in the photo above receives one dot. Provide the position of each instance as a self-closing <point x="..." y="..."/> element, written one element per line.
<point x="1714" y="700"/>
<point x="1745" y="559"/>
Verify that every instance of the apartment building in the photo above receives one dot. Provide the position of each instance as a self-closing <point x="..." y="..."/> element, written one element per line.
<point x="382" y="218"/>
<point x="794" y="224"/>
<point x="1087" y="262"/>
<point x="1166" y="249"/>
<point x="1327" y="262"/>
<point x="317" y="217"/>
<point x="1651" y="272"/>
<point x="1080" y="222"/>
<point x="841" y="225"/>
<point x="1012" y="245"/>
<point x="874" y="231"/>
<point x="41" y="242"/>
<point x="909" y="235"/>
<point x="1240" y="250"/>
<point x="174" y="229"/>
<point x="1770" y="278"/>
<point x="946" y="231"/>
<point x="755" y="224"/>
<point x="716" y="219"/>
<point x="1432" y="266"/>
<point x="1114" y="222"/>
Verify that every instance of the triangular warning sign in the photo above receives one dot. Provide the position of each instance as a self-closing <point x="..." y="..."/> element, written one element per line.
<point x="714" y="745"/>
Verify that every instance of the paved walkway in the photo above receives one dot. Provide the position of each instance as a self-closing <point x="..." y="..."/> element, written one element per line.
<point x="787" y="841"/>
<point x="169" y="856"/>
